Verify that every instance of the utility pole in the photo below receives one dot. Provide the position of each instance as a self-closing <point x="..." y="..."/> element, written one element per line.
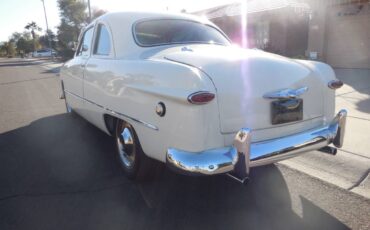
<point x="88" y="5"/>
<point x="47" y="30"/>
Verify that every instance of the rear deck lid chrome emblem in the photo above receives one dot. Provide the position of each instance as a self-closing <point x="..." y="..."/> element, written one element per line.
<point x="286" y="93"/>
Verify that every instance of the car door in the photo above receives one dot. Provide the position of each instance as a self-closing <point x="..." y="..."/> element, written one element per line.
<point x="99" y="74"/>
<point x="75" y="72"/>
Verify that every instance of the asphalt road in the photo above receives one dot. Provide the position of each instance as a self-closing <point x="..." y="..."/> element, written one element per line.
<point x="59" y="172"/>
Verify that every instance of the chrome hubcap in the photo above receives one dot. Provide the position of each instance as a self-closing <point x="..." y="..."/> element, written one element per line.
<point x="125" y="143"/>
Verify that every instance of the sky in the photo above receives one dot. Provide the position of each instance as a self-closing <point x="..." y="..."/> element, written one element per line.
<point x="15" y="14"/>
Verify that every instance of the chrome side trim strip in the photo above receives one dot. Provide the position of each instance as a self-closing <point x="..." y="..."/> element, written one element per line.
<point x="72" y="94"/>
<point x="133" y="119"/>
<point x="112" y="112"/>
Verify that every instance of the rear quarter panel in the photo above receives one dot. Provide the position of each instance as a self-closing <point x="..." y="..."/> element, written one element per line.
<point x="326" y="74"/>
<point x="134" y="87"/>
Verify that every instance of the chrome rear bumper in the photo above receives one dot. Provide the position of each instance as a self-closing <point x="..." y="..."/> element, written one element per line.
<point x="243" y="155"/>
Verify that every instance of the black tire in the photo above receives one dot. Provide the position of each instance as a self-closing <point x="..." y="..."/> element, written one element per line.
<point x="133" y="161"/>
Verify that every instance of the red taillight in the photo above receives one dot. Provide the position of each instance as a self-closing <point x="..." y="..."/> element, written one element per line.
<point x="200" y="98"/>
<point x="335" y="84"/>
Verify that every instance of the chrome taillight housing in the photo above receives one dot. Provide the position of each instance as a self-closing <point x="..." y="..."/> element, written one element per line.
<point x="335" y="84"/>
<point x="200" y="98"/>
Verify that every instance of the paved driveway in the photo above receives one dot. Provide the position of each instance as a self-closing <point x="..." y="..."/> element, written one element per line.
<point x="351" y="167"/>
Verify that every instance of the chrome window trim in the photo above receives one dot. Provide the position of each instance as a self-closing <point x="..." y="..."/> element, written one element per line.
<point x="81" y="41"/>
<point x="112" y="52"/>
<point x="115" y="113"/>
<point x="175" y="43"/>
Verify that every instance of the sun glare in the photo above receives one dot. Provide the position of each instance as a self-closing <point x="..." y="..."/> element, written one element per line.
<point x="244" y="24"/>
<point x="244" y="43"/>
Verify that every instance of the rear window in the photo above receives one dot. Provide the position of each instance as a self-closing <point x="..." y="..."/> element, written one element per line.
<point x="176" y="31"/>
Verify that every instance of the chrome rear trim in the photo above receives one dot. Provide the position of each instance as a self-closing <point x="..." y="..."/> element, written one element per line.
<point x="286" y="93"/>
<point x="243" y="154"/>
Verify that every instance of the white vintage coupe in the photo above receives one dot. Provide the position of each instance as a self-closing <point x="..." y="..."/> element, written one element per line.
<point x="171" y="87"/>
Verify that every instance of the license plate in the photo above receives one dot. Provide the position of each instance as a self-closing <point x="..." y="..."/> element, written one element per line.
<point x="285" y="111"/>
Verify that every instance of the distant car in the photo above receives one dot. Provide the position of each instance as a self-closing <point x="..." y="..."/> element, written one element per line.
<point x="171" y="87"/>
<point x="44" y="53"/>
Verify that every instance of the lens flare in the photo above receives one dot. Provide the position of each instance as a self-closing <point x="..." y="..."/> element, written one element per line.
<point x="243" y="15"/>
<point x="244" y="62"/>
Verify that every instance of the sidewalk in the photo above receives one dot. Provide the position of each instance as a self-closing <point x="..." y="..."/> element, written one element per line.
<point x="52" y="66"/>
<point x="350" y="168"/>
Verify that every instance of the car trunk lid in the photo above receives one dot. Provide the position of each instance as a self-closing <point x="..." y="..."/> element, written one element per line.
<point x="242" y="78"/>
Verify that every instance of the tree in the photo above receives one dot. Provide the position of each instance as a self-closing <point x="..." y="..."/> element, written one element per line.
<point x="24" y="45"/>
<point x="73" y="12"/>
<point x="8" y="48"/>
<point x="73" y="19"/>
<point x="3" y="49"/>
<point x="26" y="35"/>
<point x="44" y="39"/>
<point x="32" y="26"/>
<point x="96" y="12"/>
<point x="15" y="36"/>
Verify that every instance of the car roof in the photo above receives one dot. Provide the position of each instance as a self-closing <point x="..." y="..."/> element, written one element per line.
<point x="120" y="25"/>
<point x="133" y="16"/>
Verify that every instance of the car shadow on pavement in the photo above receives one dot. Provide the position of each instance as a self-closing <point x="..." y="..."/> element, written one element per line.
<point x="52" y="70"/>
<point x="60" y="172"/>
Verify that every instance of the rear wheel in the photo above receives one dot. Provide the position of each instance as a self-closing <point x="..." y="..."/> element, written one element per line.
<point x="133" y="161"/>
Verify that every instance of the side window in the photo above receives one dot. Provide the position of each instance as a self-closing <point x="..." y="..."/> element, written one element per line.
<point x="102" y="41"/>
<point x="84" y="48"/>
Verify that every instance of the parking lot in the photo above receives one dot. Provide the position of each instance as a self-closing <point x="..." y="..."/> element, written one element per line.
<point x="57" y="171"/>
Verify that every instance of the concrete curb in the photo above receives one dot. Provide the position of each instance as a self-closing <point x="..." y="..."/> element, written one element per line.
<point x="363" y="189"/>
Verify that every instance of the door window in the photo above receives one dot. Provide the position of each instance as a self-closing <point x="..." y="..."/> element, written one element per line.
<point x="102" y="41"/>
<point x="84" y="48"/>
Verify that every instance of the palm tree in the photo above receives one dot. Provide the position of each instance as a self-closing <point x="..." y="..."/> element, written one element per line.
<point x="32" y="26"/>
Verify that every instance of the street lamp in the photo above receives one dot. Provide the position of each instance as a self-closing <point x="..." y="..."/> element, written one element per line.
<point x="47" y="30"/>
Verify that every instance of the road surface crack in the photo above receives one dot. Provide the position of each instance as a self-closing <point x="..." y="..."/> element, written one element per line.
<point x="362" y="179"/>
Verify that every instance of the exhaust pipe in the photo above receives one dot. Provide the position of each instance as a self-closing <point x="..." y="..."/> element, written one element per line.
<point x="329" y="150"/>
